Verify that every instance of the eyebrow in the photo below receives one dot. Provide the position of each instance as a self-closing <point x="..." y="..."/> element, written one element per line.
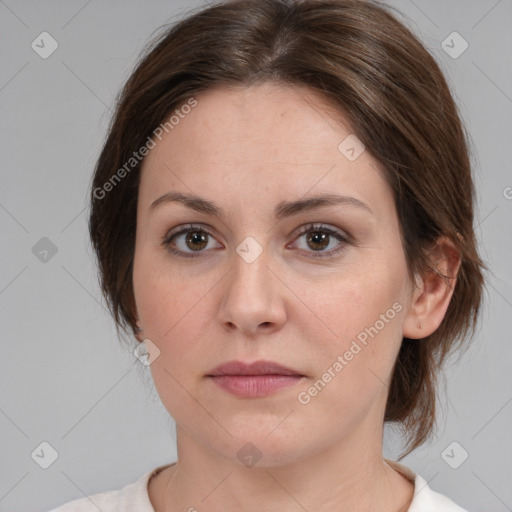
<point x="282" y="210"/>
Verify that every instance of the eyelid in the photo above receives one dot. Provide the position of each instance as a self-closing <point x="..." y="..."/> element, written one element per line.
<point x="188" y="227"/>
<point x="320" y="226"/>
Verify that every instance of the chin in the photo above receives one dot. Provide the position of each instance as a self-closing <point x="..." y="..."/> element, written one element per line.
<point x="261" y="445"/>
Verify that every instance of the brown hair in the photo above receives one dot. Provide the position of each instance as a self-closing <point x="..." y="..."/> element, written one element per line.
<point x="358" y="55"/>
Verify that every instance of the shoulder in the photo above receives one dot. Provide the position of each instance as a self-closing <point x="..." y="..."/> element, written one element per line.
<point x="104" y="501"/>
<point x="425" y="499"/>
<point x="132" y="497"/>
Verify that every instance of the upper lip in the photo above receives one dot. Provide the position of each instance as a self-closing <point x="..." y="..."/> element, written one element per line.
<point x="256" y="368"/>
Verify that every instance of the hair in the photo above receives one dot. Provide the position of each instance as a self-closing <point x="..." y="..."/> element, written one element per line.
<point x="358" y="55"/>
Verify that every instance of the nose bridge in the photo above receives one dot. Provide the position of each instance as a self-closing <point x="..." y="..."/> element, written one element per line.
<point x="250" y="275"/>
<point x="250" y="297"/>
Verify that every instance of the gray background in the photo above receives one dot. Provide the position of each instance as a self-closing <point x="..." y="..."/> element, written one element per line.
<point x="64" y="377"/>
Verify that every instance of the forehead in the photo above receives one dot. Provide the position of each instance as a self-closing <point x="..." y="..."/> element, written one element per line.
<point x="260" y="143"/>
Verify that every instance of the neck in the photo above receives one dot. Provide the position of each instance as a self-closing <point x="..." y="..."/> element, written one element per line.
<point x="345" y="477"/>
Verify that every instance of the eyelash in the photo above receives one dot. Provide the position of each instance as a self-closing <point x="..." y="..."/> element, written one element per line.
<point x="307" y="228"/>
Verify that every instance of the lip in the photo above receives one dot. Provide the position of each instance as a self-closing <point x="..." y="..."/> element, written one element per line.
<point x="256" y="368"/>
<point x="254" y="380"/>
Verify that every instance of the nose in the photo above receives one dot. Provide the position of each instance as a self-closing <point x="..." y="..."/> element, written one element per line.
<point x="251" y="299"/>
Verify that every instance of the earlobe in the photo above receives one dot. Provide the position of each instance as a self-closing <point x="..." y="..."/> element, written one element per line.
<point x="433" y="291"/>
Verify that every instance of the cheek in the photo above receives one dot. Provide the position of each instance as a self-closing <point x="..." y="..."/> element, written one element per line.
<point x="164" y="297"/>
<point x="363" y="310"/>
<point x="171" y="308"/>
<point x="169" y="311"/>
<point x="355" y="369"/>
<point x="352" y="300"/>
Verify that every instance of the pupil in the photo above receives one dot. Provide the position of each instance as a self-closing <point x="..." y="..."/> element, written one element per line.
<point x="316" y="237"/>
<point x="195" y="238"/>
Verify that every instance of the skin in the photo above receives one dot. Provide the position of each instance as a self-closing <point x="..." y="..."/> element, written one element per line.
<point x="247" y="149"/>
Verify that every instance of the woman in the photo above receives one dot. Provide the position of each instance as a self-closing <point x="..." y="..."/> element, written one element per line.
<point x="275" y="221"/>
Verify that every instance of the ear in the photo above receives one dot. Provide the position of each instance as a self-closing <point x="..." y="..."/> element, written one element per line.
<point x="433" y="291"/>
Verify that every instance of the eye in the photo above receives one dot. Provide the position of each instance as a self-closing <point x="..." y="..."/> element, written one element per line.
<point x="188" y="240"/>
<point x="192" y="240"/>
<point x="320" y="237"/>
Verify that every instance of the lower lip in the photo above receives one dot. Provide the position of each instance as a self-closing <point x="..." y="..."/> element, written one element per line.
<point x="255" y="386"/>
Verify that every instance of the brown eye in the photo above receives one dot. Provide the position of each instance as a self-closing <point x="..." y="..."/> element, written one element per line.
<point x="189" y="241"/>
<point x="321" y="241"/>
<point x="318" y="240"/>
<point x="196" y="240"/>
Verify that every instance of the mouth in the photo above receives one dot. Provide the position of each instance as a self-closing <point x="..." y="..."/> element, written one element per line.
<point x="255" y="380"/>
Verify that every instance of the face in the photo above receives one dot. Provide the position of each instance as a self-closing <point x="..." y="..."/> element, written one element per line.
<point x="241" y="273"/>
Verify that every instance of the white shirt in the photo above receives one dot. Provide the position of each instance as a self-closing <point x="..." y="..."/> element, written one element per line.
<point x="134" y="497"/>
